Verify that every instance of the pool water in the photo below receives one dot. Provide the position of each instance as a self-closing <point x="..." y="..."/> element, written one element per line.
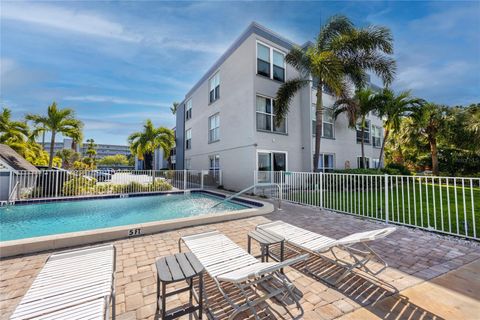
<point x="34" y="220"/>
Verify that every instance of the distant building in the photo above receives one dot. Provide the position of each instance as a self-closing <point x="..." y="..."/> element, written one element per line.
<point x="103" y="150"/>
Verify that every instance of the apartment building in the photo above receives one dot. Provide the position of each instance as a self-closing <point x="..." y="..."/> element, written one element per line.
<point x="103" y="150"/>
<point x="226" y="121"/>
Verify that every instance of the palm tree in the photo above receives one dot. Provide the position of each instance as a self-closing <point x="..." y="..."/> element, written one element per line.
<point x="427" y="120"/>
<point x="357" y="109"/>
<point x="143" y="144"/>
<point x="391" y="110"/>
<point x="174" y="107"/>
<point x="57" y="121"/>
<point x="12" y="131"/>
<point x="341" y="54"/>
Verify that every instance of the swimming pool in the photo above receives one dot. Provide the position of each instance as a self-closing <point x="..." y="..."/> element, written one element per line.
<point x="34" y="220"/>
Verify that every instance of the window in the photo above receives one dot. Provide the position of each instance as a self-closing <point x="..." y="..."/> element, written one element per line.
<point x="214" y="162"/>
<point x="375" y="163"/>
<point x="266" y="116"/>
<point x="377" y="136"/>
<point x="366" y="133"/>
<point x="263" y="60"/>
<point x="270" y="161"/>
<point x="187" y="164"/>
<point x="325" y="162"/>
<point x="270" y="62"/>
<point x="328" y="125"/>
<point x="214" y="128"/>
<point x="214" y="85"/>
<point x="188" y="139"/>
<point x="278" y="66"/>
<point x="363" y="164"/>
<point x="188" y="109"/>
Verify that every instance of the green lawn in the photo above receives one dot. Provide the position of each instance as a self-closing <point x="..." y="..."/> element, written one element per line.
<point x="443" y="208"/>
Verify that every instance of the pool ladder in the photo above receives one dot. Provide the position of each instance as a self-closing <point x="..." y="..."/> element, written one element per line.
<point x="252" y="187"/>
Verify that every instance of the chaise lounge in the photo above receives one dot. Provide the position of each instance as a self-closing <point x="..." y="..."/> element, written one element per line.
<point x="77" y="284"/>
<point x="317" y="244"/>
<point x="227" y="263"/>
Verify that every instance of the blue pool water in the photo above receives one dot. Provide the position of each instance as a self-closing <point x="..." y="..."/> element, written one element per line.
<point x="34" y="220"/>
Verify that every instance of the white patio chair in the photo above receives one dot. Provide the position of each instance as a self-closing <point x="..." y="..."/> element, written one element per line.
<point x="77" y="284"/>
<point x="317" y="244"/>
<point x="226" y="262"/>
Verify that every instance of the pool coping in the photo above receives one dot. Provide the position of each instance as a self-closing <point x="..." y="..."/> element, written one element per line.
<point x="12" y="248"/>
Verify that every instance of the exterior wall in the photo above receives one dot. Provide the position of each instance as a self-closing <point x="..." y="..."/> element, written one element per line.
<point x="4" y="185"/>
<point x="180" y="137"/>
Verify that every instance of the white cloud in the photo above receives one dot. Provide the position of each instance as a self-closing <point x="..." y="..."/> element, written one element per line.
<point x="117" y="100"/>
<point x="67" y="20"/>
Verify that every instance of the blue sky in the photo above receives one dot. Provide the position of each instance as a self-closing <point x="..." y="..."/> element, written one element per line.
<point x="119" y="63"/>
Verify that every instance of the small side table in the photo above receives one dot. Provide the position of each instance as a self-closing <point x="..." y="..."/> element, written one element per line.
<point x="175" y="268"/>
<point x="265" y="240"/>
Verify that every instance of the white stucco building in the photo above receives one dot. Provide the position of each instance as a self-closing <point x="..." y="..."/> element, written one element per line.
<point x="226" y="120"/>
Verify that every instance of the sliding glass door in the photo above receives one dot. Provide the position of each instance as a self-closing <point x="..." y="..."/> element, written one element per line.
<point x="268" y="161"/>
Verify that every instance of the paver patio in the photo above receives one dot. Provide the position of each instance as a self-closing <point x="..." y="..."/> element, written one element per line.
<point x="437" y="277"/>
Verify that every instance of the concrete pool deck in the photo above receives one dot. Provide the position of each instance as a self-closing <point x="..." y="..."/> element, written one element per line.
<point x="437" y="277"/>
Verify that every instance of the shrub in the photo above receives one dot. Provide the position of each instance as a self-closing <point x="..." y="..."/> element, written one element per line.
<point x="79" y="185"/>
<point x="396" y="168"/>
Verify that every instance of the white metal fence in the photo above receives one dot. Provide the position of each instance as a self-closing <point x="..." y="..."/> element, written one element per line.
<point x="448" y="205"/>
<point x="66" y="183"/>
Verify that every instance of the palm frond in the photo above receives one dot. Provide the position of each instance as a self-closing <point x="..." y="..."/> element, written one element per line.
<point x="284" y="95"/>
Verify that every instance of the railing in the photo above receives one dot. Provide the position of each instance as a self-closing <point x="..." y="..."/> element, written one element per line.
<point x="258" y="185"/>
<point x="448" y="205"/>
<point x="68" y="183"/>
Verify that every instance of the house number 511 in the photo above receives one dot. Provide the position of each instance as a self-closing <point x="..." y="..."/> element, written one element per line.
<point x="134" y="232"/>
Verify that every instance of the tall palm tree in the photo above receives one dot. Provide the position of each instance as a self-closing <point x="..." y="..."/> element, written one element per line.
<point x="12" y="131"/>
<point x="427" y="120"/>
<point x="57" y="121"/>
<point x="391" y="110"/>
<point x="357" y="109"/>
<point x="341" y="54"/>
<point x="143" y="144"/>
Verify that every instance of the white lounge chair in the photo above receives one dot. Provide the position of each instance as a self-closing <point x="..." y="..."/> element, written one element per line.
<point x="77" y="284"/>
<point x="226" y="262"/>
<point x="317" y="244"/>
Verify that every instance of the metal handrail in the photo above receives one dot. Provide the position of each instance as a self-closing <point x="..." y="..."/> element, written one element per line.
<point x="252" y="187"/>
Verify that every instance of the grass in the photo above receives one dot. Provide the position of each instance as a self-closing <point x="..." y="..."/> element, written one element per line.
<point x="440" y="207"/>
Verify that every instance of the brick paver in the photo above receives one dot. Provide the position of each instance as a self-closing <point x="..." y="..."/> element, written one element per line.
<point x="414" y="257"/>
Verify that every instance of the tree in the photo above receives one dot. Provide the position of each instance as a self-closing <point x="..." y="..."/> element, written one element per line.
<point x="91" y="149"/>
<point x="143" y="144"/>
<point x="174" y="108"/>
<point x="12" y="131"/>
<point x="342" y="54"/>
<point x="357" y="109"/>
<point x="114" y="161"/>
<point x="57" y="121"/>
<point x="68" y="157"/>
<point x="391" y="109"/>
<point x="426" y="123"/>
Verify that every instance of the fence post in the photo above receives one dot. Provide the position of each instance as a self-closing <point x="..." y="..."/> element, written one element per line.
<point x="321" y="190"/>
<point x="386" y="198"/>
<point x="184" y="179"/>
<point x="201" y="179"/>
